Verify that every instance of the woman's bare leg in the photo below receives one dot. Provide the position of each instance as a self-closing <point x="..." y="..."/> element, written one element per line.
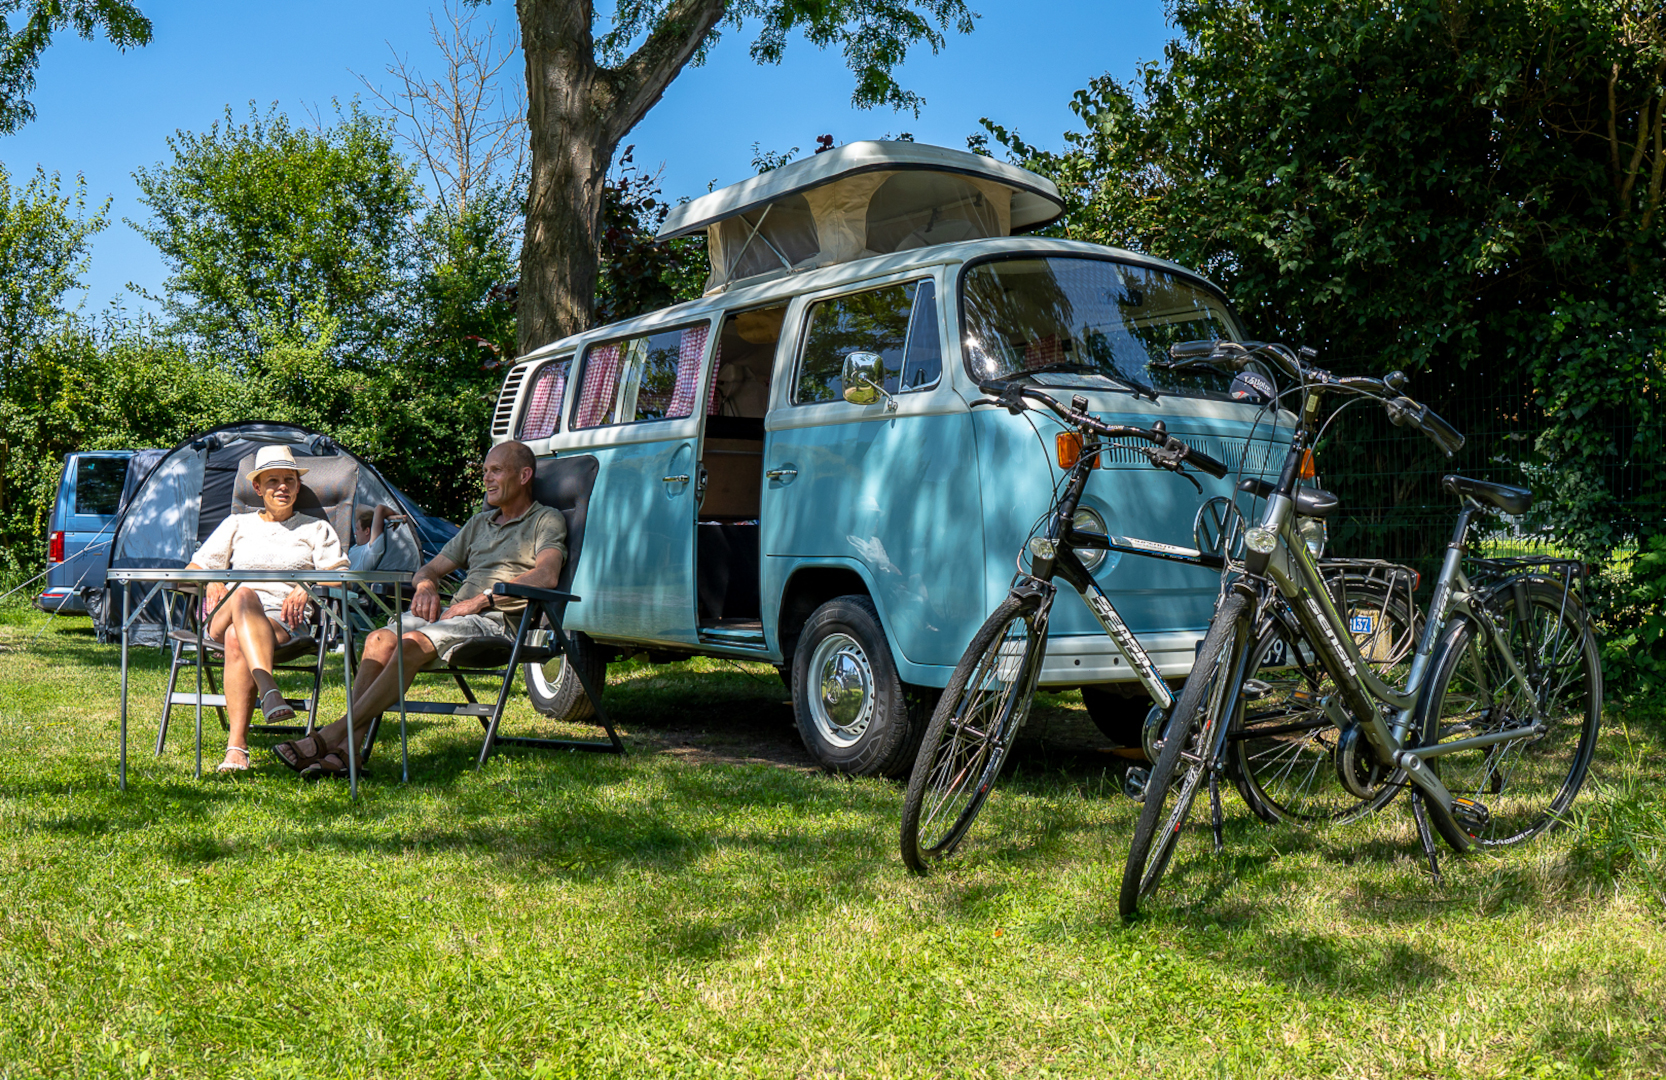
<point x="240" y="701"/>
<point x="258" y="635"/>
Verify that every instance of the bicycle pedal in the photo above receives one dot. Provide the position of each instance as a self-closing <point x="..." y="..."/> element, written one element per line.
<point x="1134" y="783"/>
<point x="1473" y="816"/>
<point x="1255" y="689"/>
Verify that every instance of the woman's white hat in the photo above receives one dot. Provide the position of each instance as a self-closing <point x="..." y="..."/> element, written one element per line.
<point x="273" y="457"/>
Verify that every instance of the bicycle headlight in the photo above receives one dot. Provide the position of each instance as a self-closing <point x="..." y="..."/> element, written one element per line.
<point x="1086" y="520"/>
<point x="1043" y="548"/>
<point x="1260" y="539"/>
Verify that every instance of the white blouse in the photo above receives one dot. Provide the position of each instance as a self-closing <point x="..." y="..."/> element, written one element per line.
<point x="250" y="542"/>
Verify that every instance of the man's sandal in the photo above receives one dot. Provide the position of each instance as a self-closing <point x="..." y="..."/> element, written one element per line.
<point x="229" y="765"/>
<point x="290" y="753"/>
<point x="274" y="707"/>
<point x="330" y="765"/>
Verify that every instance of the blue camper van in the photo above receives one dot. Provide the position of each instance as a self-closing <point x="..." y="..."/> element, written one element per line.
<point x="90" y="495"/>
<point x="748" y="499"/>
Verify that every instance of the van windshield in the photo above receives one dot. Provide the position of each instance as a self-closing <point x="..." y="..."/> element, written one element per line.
<point x="1083" y="322"/>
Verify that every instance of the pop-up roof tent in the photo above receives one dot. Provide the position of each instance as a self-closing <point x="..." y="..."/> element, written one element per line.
<point x="857" y="201"/>
<point x="197" y="484"/>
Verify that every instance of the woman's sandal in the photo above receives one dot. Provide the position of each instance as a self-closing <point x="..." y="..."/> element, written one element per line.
<point x="229" y="765"/>
<point x="275" y="713"/>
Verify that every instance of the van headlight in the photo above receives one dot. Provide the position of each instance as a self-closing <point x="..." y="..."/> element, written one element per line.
<point x="1086" y="520"/>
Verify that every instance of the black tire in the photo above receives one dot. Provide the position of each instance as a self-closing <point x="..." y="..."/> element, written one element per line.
<point x="1525" y="785"/>
<point x="1180" y="768"/>
<point x="872" y="734"/>
<point x="1282" y="747"/>
<point x="1120" y="718"/>
<point x="556" y="691"/>
<point x="971" y="730"/>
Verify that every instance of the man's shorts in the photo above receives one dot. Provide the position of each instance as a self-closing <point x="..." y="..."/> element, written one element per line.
<point x="449" y="635"/>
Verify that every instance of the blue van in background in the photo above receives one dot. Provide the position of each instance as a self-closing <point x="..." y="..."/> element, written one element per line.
<point x="79" y="531"/>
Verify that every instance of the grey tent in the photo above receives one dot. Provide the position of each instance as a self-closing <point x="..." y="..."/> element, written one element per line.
<point x="192" y="488"/>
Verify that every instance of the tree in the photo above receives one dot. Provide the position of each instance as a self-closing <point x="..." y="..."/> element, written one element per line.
<point x="20" y="51"/>
<point x="587" y="91"/>
<point x="43" y="251"/>
<point x="276" y="235"/>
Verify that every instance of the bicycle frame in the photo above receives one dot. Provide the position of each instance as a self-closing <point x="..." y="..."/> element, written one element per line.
<point x="1063" y="540"/>
<point x="1296" y="576"/>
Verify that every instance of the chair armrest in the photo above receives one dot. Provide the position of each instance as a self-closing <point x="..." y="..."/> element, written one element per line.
<point x="527" y="592"/>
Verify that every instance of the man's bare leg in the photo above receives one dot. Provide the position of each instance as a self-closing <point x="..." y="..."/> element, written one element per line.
<point x="377" y="687"/>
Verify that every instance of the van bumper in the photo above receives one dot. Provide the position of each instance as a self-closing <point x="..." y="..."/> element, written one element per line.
<point x="1079" y="659"/>
<point x="61" y="601"/>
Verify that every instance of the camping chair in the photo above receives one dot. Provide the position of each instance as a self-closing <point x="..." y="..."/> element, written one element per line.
<point x="565" y="484"/>
<point x="327" y="492"/>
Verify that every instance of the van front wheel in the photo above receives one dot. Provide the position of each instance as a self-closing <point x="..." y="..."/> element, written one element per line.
<point x="556" y="691"/>
<point x="850" y="705"/>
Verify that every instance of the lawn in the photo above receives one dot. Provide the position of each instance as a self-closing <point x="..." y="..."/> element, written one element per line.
<point x="712" y="906"/>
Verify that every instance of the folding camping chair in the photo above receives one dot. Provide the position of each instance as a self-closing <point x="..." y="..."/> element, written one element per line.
<point x="327" y="492"/>
<point x="565" y="484"/>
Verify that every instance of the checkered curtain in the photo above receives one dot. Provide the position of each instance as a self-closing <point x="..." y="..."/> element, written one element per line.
<point x="543" y="412"/>
<point x="601" y="380"/>
<point x="691" y="349"/>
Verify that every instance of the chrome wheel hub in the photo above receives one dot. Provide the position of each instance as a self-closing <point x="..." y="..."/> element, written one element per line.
<point x="841" y="690"/>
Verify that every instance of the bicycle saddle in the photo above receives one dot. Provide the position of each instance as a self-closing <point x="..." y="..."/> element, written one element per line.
<point x="1310" y="501"/>
<point x="1511" y="500"/>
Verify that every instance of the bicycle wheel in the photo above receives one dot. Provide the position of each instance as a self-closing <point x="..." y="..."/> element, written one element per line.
<point x="1182" y="765"/>
<point x="1523" y="786"/>
<point x="972" y="729"/>
<point x="1281" y="750"/>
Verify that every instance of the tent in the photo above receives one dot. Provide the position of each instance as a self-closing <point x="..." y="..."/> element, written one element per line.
<point x="857" y="201"/>
<point x="192" y="488"/>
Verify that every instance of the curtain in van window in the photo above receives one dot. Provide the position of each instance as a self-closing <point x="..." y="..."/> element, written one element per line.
<point x="543" y="410"/>
<point x="690" y="351"/>
<point x="601" y="380"/>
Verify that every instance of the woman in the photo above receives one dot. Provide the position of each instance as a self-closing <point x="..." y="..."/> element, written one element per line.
<point x="261" y="615"/>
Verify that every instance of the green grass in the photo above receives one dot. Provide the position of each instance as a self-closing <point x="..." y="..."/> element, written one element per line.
<point x="711" y="906"/>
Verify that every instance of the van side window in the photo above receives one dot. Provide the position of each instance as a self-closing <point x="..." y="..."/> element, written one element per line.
<point x="923" y="363"/>
<point x="652" y="377"/>
<point x="876" y="321"/>
<point x="98" y="482"/>
<point x="543" y="400"/>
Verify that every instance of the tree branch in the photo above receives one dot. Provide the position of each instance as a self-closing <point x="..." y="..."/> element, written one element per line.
<point x="1656" y="172"/>
<point x="638" y="83"/>
<point x="1613" y="129"/>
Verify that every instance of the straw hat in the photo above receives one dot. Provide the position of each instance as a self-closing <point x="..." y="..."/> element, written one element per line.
<point x="273" y="457"/>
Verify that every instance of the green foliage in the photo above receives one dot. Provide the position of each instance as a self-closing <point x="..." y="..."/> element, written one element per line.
<point x="21" y="49"/>
<point x="1634" y="644"/>
<point x="638" y="274"/>
<point x="275" y="234"/>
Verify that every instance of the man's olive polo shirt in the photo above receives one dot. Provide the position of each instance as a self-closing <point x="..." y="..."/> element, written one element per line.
<point x="493" y="552"/>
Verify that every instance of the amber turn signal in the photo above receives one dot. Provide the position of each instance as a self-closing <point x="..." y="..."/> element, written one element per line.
<point x="1309" y="471"/>
<point x="1070" y="448"/>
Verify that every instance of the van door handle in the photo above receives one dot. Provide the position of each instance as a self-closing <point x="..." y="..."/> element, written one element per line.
<point x="680" y="478"/>
<point x="783" y="473"/>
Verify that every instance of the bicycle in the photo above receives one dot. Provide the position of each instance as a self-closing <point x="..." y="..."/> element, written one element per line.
<point x="989" y="694"/>
<point x="1504" y="675"/>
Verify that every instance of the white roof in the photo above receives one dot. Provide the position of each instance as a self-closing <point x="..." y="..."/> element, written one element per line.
<point x="859" y="201"/>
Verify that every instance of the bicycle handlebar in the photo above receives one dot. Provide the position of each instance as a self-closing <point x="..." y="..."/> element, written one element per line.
<point x="1171" y="453"/>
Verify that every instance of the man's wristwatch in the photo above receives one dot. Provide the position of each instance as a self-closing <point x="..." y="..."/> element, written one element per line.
<point x="491" y="602"/>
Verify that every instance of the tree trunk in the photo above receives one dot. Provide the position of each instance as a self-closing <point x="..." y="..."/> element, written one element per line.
<point x="578" y="112"/>
<point x="571" y="149"/>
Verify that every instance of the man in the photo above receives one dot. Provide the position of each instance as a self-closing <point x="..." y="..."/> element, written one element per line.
<point x="515" y="540"/>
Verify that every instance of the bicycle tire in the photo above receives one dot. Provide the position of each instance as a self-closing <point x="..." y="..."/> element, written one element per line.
<point x="1168" y="797"/>
<point x="1281" y="750"/>
<point x="972" y="729"/>
<point x="1525" y="784"/>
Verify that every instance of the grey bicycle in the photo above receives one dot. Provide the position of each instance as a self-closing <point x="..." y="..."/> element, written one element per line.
<point x="1492" y="722"/>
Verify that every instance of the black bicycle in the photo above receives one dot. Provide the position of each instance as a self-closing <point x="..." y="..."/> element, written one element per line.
<point x="989" y="694"/>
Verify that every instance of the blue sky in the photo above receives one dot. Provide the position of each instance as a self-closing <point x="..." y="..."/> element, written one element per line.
<point x="103" y="114"/>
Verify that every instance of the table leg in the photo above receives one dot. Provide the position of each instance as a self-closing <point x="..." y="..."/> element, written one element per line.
<point x="200" y="658"/>
<point x="399" y="651"/>
<point x="126" y="598"/>
<point x="347" y="677"/>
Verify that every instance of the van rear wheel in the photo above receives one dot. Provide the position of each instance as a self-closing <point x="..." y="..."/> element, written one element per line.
<point x="851" y="706"/>
<point x="556" y="691"/>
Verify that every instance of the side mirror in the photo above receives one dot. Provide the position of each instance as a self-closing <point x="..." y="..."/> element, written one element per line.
<point x="863" y="378"/>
